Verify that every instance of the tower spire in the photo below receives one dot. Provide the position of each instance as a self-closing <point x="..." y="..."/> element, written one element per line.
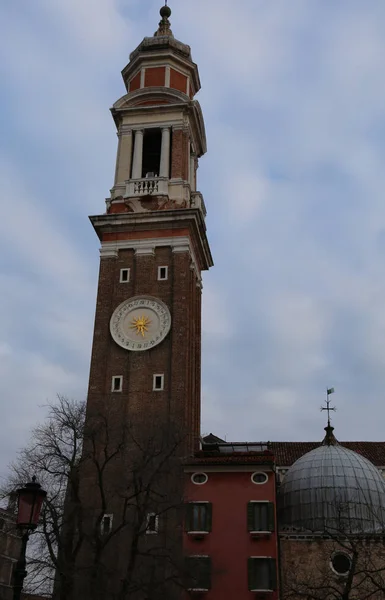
<point x="329" y="439"/>
<point x="164" y="24"/>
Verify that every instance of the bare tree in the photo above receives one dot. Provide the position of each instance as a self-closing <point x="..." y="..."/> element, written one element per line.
<point x="341" y="562"/>
<point x="104" y="484"/>
<point x="53" y="454"/>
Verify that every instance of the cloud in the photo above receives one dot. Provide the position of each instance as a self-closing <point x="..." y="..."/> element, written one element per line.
<point x="293" y="181"/>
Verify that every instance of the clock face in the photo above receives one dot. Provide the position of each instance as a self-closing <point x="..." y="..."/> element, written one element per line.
<point x="140" y="323"/>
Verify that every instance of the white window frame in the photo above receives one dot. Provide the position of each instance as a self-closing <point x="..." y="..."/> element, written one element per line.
<point x="117" y="378"/>
<point x="201" y="482"/>
<point x="259" y="482"/>
<point x="152" y="531"/>
<point x="159" y="273"/>
<point x="111" y="517"/>
<point x="121" y="280"/>
<point x="154" y="387"/>
<point x="345" y="553"/>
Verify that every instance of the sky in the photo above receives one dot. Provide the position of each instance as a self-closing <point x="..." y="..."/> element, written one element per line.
<point x="293" y="96"/>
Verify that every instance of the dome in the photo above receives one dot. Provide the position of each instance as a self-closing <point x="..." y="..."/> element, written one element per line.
<point x="333" y="490"/>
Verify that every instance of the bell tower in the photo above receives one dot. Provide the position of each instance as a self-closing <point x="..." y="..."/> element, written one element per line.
<point x="147" y="339"/>
<point x="143" y="406"/>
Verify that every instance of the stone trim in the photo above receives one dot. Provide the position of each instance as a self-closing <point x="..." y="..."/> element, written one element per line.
<point x="147" y="246"/>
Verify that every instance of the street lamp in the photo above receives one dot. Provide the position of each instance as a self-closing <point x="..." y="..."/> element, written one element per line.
<point x="30" y="501"/>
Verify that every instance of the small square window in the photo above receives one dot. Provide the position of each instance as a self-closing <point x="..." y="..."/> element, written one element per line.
<point x="162" y="273"/>
<point x="124" y="275"/>
<point x="152" y="524"/>
<point x="106" y="524"/>
<point x="158" y="383"/>
<point x="117" y="383"/>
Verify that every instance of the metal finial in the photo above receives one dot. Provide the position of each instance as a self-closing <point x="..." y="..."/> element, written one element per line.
<point x="328" y="408"/>
<point x="329" y="439"/>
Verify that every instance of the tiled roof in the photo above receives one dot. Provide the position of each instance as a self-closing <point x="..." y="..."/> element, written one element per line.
<point x="212" y="439"/>
<point x="286" y="453"/>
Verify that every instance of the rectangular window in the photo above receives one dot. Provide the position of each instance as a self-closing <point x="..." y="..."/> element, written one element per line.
<point x="106" y="524"/>
<point x="117" y="383"/>
<point x="152" y="142"/>
<point x="260" y="516"/>
<point x="198" y="572"/>
<point x="199" y="517"/>
<point x="162" y="273"/>
<point x="152" y="523"/>
<point x="158" y="383"/>
<point x="124" y="275"/>
<point x="262" y="574"/>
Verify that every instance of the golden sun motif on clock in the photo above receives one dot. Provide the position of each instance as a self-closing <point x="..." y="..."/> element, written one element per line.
<point x="140" y="325"/>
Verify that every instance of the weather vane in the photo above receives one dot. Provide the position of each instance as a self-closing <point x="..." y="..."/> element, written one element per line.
<point x="328" y="407"/>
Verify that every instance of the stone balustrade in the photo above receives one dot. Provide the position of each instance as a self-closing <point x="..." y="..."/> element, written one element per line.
<point x="147" y="186"/>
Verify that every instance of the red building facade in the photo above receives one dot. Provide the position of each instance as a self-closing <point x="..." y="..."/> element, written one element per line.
<point x="230" y="537"/>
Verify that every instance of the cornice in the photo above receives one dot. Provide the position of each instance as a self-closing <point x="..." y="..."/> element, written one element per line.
<point x="172" y="219"/>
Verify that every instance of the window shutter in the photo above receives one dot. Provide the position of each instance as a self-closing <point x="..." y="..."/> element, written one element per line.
<point x="271" y="517"/>
<point x="205" y="575"/>
<point x="209" y="516"/>
<point x="188" y="516"/>
<point x="250" y="516"/>
<point x="273" y="574"/>
<point x="252" y="573"/>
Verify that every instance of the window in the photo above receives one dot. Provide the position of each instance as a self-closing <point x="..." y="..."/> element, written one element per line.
<point x="341" y="563"/>
<point x="198" y="572"/>
<point x="152" y="523"/>
<point x="158" y="383"/>
<point x="199" y="478"/>
<point x="162" y="273"/>
<point x="262" y="573"/>
<point x="260" y="516"/>
<point x="152" y="142"/>
<point x="199" y="516"/>
<point x="124" y="275"/>
<point x="106" y="524"/>
<point x="259" y="477"/>
<point x="117" y="383"/>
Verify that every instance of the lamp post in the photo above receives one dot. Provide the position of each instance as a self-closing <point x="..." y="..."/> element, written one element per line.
<point x="30" y="501"/>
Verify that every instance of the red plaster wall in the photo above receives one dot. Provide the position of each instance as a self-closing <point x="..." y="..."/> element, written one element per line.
<point x="178" y="81"/>
<point x="229" y="544"/>
<point x="155" y="76"/>
<point x="135" y="82"/>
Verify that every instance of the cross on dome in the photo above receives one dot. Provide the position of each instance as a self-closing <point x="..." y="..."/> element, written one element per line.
<point x="329" y="439"/>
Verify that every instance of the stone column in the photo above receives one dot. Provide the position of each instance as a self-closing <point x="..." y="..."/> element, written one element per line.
<point x="164" y="170"/>
<point x="192" y="173"/>
<point x="123" y="163"/>
<point x="138" y="155"/>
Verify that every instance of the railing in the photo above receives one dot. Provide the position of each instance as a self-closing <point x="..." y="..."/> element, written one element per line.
<point x="146" y="186"/>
